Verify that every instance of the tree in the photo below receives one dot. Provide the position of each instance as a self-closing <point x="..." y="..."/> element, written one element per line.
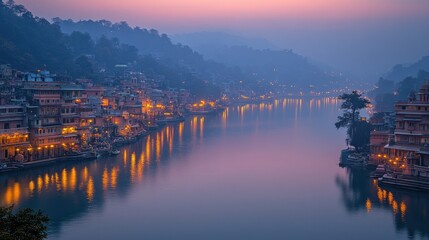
<point x="25" y="224"/>
<point x="361" y="134"/>
<point x="352" y="103"/>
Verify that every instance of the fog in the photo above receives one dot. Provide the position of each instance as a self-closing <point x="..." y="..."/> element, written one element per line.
<point x="363" y="39"/>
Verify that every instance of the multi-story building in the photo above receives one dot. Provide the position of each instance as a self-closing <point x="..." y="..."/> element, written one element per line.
<point x="14" y="144"/>
<point x="70" y="120"/>
<point x="408" y="149"/>
<point x="383" y="124"/>
<point x="44" y="115"/>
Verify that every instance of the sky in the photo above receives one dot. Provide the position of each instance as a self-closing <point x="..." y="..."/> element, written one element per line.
<point x="362" y="37"/>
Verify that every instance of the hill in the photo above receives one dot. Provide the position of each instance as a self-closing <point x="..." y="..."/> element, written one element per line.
<point x="259" y="58"/>
<point x="29" y="43"/>
<point x="401" y="71"/>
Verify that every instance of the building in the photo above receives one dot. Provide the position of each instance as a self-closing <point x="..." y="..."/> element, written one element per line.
<point x="383" y="124"/>
<point x="408" y="148"/>
<point x="14" y="143"/>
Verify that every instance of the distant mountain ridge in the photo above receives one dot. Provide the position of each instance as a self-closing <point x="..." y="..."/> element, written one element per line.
<point x="401" y="71"/>
<point x="210" y="52"/>
<point x="198" y="39"/>
<point x="262" y="60"/>
<point x="151" y="42"/>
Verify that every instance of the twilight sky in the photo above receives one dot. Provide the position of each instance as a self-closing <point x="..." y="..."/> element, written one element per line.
<point x="363" y="37"/>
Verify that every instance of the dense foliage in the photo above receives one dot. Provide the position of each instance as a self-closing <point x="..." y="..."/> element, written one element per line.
<point x="29" y="43"/>
<point x="175" y="57"/>
<point x="357" y="130"/>
<point x="400" y="71"/>
<point x="25" y="224"/>
<point x="388" y="92"/>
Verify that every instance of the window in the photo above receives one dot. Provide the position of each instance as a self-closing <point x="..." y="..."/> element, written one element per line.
<point x="403" y="107"/>
<point x="6" y="126"/>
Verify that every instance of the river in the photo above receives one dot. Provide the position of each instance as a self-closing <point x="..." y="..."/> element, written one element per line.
<point x="258" y="171"/>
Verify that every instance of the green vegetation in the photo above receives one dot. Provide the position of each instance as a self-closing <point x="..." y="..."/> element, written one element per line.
<point x="357" y="130"/>
<point x="29" y="43"/>
<point x="25" y="224"/>
<point x="388" y="92"/>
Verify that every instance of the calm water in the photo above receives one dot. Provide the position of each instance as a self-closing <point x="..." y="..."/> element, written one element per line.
<point x="264" y="171"/>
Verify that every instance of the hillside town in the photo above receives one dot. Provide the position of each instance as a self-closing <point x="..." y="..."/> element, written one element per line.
<point x="45" y="117"/>
<point x="399" y="142"/>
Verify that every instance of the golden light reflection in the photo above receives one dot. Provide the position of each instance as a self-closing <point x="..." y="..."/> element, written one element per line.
<point x="194" y="126"/>
<point x="8" y="196"/>
<point x="133" y="166"/>
<point x="47" y="181"/>
<point x="201" y="126"/>
<point x="380" y="195"/>
<point x="403" y="208"/>
<point x="85" y="173"/>
<point x="368" y="205"/>
<point x="73" y="178"/>
<point x="57" y="182"/>
<point x="181" y="126"/>
<point x="105" y="178"/>
<point x="40" y="183"/>
<point x="90" y="190"/>
<point x="224" y="118"/>
<point x="148" y="147"/>
<point x="390" y="198"/>
<point x="125" y="157"/>
<point x="114" y="178"/>
<point x="158" y="147"/>
<point x="64" y="179"/>
<point x="395" y="207"/>
<point x="31" y="186"/>
<point x="170" y="141"/>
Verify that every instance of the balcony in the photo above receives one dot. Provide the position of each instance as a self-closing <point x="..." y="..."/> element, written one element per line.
<point x="411" y="132"/>
<point x="11" y="131"/>
<point x="47" y="124"/>
<point x="421" y="168"/>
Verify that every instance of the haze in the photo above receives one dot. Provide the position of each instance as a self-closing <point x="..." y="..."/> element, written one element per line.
<point x="364" y="38"/>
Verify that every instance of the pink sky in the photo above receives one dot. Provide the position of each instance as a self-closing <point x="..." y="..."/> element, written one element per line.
<point x="190" y="14"/>
<point x="364" y="36"/>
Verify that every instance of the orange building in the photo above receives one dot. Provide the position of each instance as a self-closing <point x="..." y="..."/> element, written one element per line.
<point x="14" y="144"/>
<point x="408" y="149"/>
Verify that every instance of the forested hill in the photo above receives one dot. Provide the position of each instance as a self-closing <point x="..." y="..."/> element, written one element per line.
<point x="28" y="42"/>
<point x="208" y="61"/>
<point x="401" y="71"/>
<point x="258" y="57"/>
<point x="151" y="42"/>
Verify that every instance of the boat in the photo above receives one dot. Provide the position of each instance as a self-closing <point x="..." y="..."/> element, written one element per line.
<point x="404" y="182"/>
<point x="351" y="158"/>
<point x="170" y="120"/>
<point x="115" y="152"/>
<point x="201" y="112"/>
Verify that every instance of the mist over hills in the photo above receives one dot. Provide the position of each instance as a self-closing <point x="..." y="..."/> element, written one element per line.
<point x="259" y="58"/>
<point x="401" y="71"/>
<point x="398" y="83"/>
<point x="232" y="54"/>
<point x="82" y="48"/>
<point x="200" y="40"/>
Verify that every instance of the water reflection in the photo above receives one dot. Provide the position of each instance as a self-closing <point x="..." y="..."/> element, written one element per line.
<point x="410" y="210"/>
<point x="70" y="190"/>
